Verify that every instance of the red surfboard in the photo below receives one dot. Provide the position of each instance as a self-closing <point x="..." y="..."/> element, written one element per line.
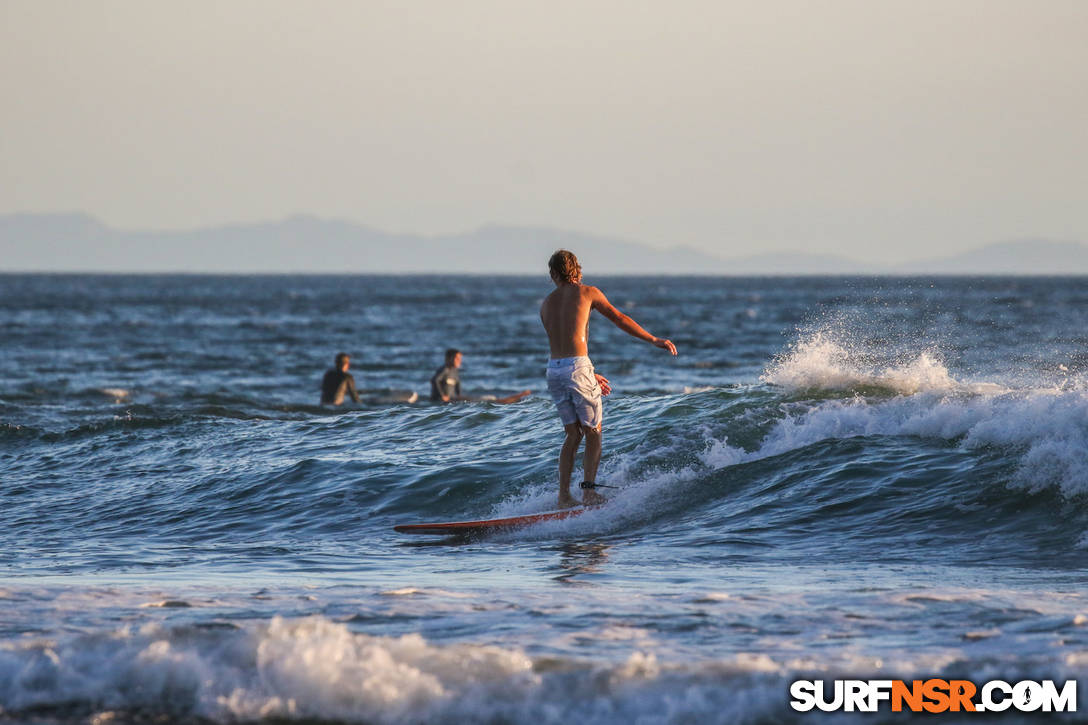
<point x="489" y="526"/>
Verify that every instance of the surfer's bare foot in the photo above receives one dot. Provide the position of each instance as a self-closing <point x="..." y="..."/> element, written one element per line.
<point x="592" y="498"/>
<point x="568" y="501"/>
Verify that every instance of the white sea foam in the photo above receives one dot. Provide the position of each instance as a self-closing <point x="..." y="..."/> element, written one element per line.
<point x="1046" y="429"/>
<point x="317" y="668"/>
<point x="824" y="363"/>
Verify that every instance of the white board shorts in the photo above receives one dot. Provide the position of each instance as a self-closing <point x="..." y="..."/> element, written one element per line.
<point x="575" y="391"/>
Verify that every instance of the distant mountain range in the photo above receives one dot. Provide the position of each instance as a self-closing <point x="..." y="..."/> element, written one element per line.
<point x="306" y="244"/>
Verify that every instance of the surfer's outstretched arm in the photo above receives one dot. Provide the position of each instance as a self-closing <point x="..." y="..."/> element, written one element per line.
<point x="626" y="323"/>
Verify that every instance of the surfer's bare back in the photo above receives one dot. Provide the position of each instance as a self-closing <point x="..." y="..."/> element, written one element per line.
<point x="572" y="382"/>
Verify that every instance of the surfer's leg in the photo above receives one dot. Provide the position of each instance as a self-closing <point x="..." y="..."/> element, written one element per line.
<point x="587" y="403"/>
<point x="566" y="463"/>
<point x="590" y="461"/>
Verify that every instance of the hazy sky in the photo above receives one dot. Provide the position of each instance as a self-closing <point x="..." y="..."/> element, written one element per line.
<point x="882" y="130"/>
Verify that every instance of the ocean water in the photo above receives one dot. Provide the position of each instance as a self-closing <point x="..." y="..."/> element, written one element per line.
<point x="837" y="477"/>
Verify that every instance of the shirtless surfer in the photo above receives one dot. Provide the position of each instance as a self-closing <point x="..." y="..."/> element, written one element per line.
<point x="574" y="386"/>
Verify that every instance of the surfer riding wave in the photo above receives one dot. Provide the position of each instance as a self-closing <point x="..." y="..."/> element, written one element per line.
<point x="575" y="386"/>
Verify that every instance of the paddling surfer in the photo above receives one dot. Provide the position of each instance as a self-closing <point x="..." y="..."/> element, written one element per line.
<point x="446" y="384"/>
<point x="338" y="382"/>
<point x="446" y="381"/>
<point x="574" y="386"/>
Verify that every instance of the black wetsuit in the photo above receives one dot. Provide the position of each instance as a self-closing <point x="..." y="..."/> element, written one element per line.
<point x="335" y="384"/>
<point x="446" y="382"/>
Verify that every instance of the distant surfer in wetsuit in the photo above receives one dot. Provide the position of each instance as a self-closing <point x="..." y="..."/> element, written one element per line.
<point x="446" y="384"/>
<point x="446" y="381"/>
<point x="338" y="382"/>
<point x="574" y="386"/>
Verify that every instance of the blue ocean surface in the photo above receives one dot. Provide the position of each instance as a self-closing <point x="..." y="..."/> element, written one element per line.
<point x="837" y="477"/>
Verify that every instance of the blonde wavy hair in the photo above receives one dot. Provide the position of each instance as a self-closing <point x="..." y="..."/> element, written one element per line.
<point x="564" y="267"/>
